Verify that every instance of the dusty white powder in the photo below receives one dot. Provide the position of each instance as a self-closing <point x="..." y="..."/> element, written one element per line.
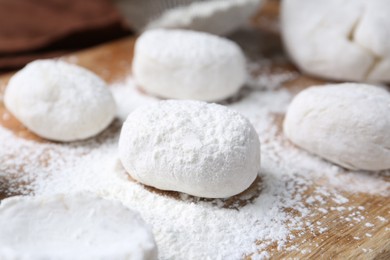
<point x="267" y="79"/>
<point x="275" y="210"/>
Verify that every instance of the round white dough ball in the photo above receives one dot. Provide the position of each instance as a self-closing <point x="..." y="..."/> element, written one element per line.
<point x="183" y="64"/>
<point x="77" y="226"/>
<point x="201" y="149"/>
<point x="60" y="101"/>
<point x="347" y="124"/>
<point x="339" y="39"/>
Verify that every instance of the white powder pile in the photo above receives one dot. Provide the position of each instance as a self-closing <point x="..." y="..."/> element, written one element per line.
<point x="274" y="210"/>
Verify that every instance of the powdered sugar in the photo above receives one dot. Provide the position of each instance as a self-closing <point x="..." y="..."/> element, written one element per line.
<point x="276" y="209"/>
<point x="267" y="79"/>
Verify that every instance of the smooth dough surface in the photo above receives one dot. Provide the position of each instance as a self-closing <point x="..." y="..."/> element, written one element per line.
<point x="75" y="226"/>
<point x="347" y="124"/>
<point x="60" y="101"/>
<point x="183" y="64"/>
<point x="339" y="39"/>
<point x="201" y="149"/>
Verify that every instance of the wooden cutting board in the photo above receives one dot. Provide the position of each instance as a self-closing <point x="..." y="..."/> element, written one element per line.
<point x="113" y="63"/>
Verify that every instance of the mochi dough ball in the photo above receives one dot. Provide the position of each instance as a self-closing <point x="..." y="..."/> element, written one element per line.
<point x="60" y="101"/>
<point x="201" y="149"/>
<point x="76" y="226"/>
<point x="339" y="39"/>
<point x="183" y="64"/>
<point x="347" y="124"/>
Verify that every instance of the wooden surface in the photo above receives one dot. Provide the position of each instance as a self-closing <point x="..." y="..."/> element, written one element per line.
<point x="113" y="63"/>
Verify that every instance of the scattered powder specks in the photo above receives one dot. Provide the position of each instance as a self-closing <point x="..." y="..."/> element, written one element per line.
<point x="310" y="200"/>
<point x="266" y="79"/>
<point x="323" y="210"/>
<point x="381" y="218"/>
<point x="322" y="230"/>
<point x="367" y="250"/>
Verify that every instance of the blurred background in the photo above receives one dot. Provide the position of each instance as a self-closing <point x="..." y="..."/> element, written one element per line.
<point x="31" y="29"/>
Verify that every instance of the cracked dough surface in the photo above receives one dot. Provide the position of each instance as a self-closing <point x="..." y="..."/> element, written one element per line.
<point x="339" y="39"/>
<point x="347" y="124"/>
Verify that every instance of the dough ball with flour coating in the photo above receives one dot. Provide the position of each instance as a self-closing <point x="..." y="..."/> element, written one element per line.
<point x="347" y="124"/>
<point x="339" y="39"/>
<point x="183" y="64"/>
<point x="73" y="226"/>
<point x="60" y="101"/>
<point x="201" y="149"/>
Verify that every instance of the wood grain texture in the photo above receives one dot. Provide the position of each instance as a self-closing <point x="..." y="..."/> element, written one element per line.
<point x="113" y="63"/>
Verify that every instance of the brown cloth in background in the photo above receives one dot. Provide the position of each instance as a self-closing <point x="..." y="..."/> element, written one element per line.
<point x="32" y="29"/>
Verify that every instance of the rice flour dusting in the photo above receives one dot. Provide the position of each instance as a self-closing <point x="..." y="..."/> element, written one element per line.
<point x="186" y="227"/>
